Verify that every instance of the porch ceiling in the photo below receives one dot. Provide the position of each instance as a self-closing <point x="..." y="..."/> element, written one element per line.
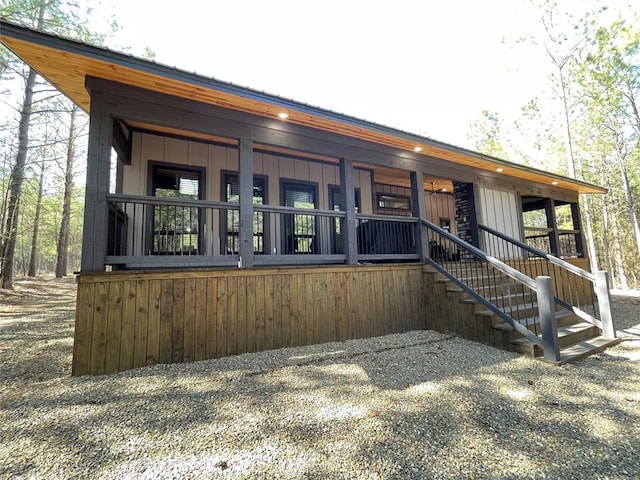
<point x="65" y="64"/>
<point x="390" y="176"/>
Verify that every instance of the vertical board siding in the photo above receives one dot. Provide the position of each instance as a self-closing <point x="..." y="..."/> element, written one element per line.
<point x="499" y="210"/>
<point x="84" y="328"/>
<point x="131" y="319"/>
<point x="140" y="325"/>
<point x="129" y="297"/>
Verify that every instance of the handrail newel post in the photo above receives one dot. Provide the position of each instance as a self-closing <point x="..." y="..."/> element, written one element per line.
<point x="548" y="321"/>
<point x="604" y="303"/>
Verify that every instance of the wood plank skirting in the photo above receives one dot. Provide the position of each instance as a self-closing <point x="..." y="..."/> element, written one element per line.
<point x="132" y="319"/>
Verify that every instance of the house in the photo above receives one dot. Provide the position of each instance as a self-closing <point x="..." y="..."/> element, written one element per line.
<point x="240" y="221"/>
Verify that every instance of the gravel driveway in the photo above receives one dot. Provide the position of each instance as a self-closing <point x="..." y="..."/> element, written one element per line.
<point x="417" y="405"/>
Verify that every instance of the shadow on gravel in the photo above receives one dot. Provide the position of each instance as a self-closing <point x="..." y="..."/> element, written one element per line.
<point x="453" y="409"/>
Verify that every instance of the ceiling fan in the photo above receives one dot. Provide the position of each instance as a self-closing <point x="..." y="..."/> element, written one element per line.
<point x="433" y="190"/>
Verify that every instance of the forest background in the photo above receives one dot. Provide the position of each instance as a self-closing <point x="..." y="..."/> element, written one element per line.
<point x="582" y="120"/>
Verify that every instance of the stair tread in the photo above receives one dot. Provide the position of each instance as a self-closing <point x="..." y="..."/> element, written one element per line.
<point x="523" y="306"/>
<point x="585" y="348"/>
<point x="525" y="322"/>
<point x="493" y="300"/>
<point x="562" y="332"/>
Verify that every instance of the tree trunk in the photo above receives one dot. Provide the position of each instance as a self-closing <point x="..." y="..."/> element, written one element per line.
<point x="630" y="205"/>
<point x="617" y="255"/>
<point x="36" y="223"/>
<point x="15" y="187"/>
<point x="16" y="179"/>
<point x="591" y="244"/>
<point x="63" y="237"/>
<point x="605" y="236"/>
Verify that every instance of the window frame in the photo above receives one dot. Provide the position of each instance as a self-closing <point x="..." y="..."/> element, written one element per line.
<point x="406" y="198"/>
<point x="152" y="167"/>
<point x="224" y="176"/>
<point x="314" y="247"/>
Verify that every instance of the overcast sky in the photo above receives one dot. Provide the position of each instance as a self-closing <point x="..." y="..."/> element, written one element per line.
<point x="428" y="67"/>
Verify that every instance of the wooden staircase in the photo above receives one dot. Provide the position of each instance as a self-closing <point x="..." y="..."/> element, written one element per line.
<point x="457" y="311"/>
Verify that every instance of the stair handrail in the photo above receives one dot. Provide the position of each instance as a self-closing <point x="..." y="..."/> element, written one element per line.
<point x="552" y="258"/>
<point x="548" y="341"/>
<point x="599" y="281"/>
<point x="508" y="270"/>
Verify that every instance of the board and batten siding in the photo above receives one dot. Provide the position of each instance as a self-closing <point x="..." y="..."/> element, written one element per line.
<point x="216" y="159"/>
<point x="132" y="319"/>
<point x="499" y="210"/>
<point x="441" y="206"/>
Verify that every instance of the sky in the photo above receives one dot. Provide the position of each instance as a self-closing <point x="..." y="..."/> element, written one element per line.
<point x="424" y="66"/>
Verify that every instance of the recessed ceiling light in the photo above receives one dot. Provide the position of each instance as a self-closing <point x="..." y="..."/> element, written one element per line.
<point x="417" y="149"/>
<point x="554" y="183"/>
<point x="283" y="115"/>
<point x="444" y="189"/>
<point x="499" y="169"/>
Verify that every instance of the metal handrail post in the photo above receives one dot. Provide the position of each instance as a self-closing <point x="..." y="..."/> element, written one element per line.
<point x="548" y="321"/>
<point x="604" y="303"/>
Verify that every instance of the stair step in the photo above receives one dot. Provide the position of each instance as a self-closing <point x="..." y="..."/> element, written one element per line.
<point x="502" y="300"/>
<point x="567" y="335"/>
<point x="585" y="348"/>
<point x="563" y="317"/>
<point x="511" y="310"/>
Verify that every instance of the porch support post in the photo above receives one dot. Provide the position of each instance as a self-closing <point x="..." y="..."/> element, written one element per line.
<point x="348" y="227"/>
<point x="554" y="240"/>
<point x="245" y="180"/>
<point x="96" y="221"/>
<point x="419" y="210"/>
<point x="577" y="225"/>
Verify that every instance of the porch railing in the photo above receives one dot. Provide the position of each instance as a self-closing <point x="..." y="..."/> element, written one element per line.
<point x="149" y="231"/>
<point x="540" y="239"/>
<point x="159" y="231"/>
<point x="576" y="290"/>
<point x="386" y="237"/>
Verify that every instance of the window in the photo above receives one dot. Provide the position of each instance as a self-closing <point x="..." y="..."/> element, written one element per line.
<point x="176" y="228"/>
<point x="299" y="229"/>
<point x="445" y="224"/>
<point x="336" y="204"/>
<point x="232" y="225"/>
<point x="393" y="202"/>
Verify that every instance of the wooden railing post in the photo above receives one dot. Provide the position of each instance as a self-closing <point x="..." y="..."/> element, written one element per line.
<point x="552" y="223"/>
<point x="245" y="181"/>
<point x="601" y="286"/>
<point x="347" y="194"/>
<point x="419" y="210"/>
<point x="548" y="322"/>
<point x="96" y="212"/>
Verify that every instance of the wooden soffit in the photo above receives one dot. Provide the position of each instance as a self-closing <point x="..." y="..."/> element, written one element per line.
<point x="65" y="64"/>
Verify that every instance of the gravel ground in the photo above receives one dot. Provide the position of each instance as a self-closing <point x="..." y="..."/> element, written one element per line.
<point x="417" y="405"/>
